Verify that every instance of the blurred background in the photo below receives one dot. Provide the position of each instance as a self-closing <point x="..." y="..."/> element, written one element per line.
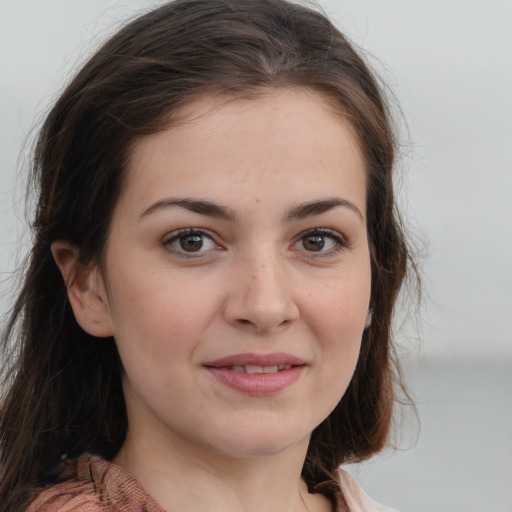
<point x="449" y="64"/>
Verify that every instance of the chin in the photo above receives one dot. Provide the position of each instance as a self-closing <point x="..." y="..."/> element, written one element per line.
<point x="251" y="442"/>
<point x="256" y="449"/>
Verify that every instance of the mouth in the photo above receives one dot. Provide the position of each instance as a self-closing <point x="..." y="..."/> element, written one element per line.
<point x="257" y="374"/>
<point x="253" y="369"/>
<point x="257" y="363"/>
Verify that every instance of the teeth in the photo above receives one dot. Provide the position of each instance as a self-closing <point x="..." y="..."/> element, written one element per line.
<point x="253" y="369"/>
<point x="250" y="369"/>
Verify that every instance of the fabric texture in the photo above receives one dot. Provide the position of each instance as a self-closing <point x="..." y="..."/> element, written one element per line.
<point x="95" y="485"/>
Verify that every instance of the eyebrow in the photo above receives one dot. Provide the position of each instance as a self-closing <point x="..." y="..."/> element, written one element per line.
<point x="210" y="209"/>
<point x="311" y="208"/>
<point x="194" y="205"/>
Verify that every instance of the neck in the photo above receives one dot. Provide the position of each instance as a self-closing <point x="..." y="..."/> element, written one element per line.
<point x="182" y="477"/>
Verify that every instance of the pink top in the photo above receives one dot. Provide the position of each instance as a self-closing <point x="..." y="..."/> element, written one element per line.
<point x="96" y="485"/>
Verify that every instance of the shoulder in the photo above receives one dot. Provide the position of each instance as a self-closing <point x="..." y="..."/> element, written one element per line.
<point x="75" y="492"/>
<point x="355" y="497"/>
<point x="93" y="485"/>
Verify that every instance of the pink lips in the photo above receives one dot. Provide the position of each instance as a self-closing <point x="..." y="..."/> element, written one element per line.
<point x="281" y="370"/>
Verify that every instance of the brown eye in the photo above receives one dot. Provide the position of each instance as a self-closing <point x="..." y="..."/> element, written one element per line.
<point x="324" y="242"/>
<point x="313" y="242"/>
<point x="191" y="243"/>
<point x="188" y="242"/>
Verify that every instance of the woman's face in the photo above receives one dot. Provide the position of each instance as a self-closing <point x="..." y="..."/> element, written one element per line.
<point x="237" y="273"/>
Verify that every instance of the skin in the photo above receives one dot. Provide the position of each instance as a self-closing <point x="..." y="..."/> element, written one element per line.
<point x="262" y="279"/>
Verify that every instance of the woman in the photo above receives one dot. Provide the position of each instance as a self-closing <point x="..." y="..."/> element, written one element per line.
<point x="205" y="317"/>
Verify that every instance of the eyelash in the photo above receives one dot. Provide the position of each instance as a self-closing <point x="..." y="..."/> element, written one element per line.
<point x="339" y="241"/>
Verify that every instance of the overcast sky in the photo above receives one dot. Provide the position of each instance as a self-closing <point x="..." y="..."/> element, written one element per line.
<point x="449" y="62"/>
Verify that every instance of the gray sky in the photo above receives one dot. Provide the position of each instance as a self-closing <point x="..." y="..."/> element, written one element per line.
<point x="450" y="65"/>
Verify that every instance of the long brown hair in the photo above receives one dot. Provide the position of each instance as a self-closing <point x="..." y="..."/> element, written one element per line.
<point x="63" y="393"/>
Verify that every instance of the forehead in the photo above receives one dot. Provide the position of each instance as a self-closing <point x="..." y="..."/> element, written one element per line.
<point x="265" y="105"/>
<point x="276" y="135"/>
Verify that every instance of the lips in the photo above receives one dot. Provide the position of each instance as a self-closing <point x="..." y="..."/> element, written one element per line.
<point x="257" y="374"/>
<point x="262" y="360"/>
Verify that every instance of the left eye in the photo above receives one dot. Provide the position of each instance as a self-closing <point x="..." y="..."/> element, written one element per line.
<point x="320" y="241"/>
<point x="189" y="241"/>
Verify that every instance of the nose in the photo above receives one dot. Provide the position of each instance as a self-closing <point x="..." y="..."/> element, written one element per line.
<point x="260" y="296"/>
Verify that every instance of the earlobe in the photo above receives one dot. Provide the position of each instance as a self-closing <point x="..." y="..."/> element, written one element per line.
<point x="85" y="288"/>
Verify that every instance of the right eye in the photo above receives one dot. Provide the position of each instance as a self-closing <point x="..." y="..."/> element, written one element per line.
<point x="188" y="242"/>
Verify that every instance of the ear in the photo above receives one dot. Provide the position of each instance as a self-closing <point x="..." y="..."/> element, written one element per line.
<point x="86" y="290"/>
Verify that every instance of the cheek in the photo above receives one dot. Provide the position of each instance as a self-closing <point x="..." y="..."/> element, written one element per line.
<point x="340" y="306"/>
<point x="155" y="319"/>
<point x="337" y="315"/>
